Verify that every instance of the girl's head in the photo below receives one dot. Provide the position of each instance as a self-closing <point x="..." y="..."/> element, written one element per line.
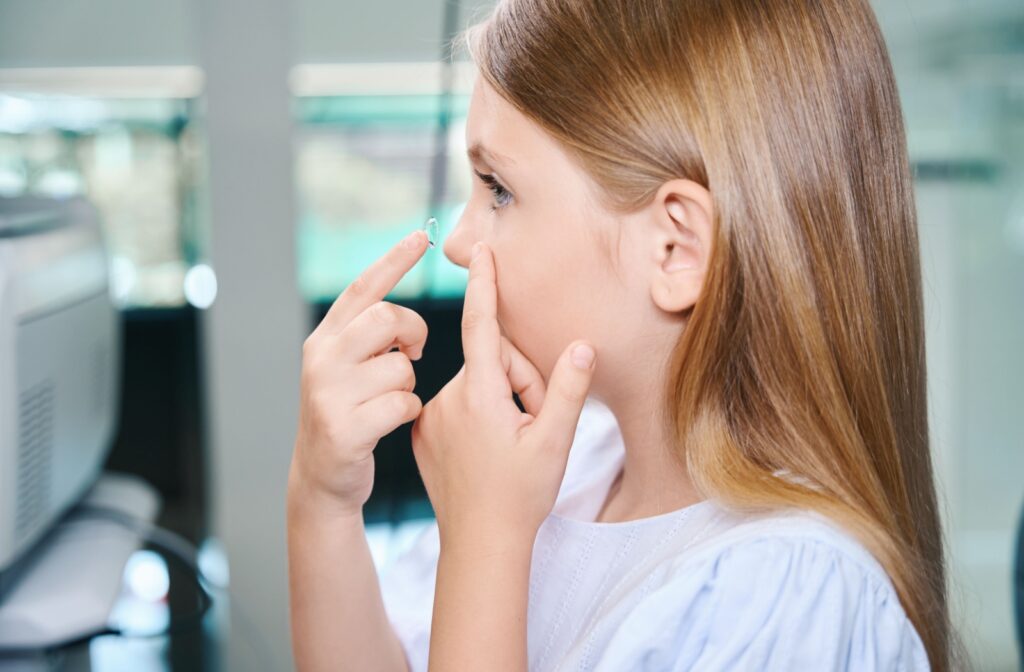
<point x="724" y="184"/>
<point x="570" y="266"/>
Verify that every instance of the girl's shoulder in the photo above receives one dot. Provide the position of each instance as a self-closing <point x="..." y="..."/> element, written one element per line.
<point x="786" y="589"/>
<point x="722" y="532"/>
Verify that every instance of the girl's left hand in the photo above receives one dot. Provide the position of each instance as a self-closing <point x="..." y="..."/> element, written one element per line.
<point x="493" y="472"/>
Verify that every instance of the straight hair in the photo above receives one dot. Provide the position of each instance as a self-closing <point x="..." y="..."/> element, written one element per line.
<point x="805" y="354"/>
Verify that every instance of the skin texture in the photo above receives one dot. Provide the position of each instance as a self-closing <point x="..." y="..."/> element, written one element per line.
<point x="539" y="285"/>
<point x="551" y="242"/>
<point x="492" y="473"/>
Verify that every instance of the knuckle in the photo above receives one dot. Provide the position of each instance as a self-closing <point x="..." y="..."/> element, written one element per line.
<point x="318" y="401"/>
<point x="403" y="367"/>
<point x="404" y="373"/>
<point x="392" y="368"/>
<point x="409" y="317"/>
<point x="307" y="380"/>
<point x="333" y="433"/>
<point x="470" y="318"/>
<point x="408" y="381"/>
<point x="401" y="404"/>
<point x="358" y="287"/>
<point x="385" y="313"/>
<point x="570" y="394"/>
<point x="308" y="363"/>
<point x="313" y="365"/>
<point x="308" y="344"/>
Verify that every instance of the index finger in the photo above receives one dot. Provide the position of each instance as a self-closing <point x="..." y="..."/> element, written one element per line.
<point x="481" y="335"/>
<point x="375" y="282"/>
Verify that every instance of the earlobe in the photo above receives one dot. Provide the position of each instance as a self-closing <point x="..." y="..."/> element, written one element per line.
<point x="683" y="214"/>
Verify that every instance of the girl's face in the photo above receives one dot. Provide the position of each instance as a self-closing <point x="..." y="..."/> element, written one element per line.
<point x="534" y="209"/>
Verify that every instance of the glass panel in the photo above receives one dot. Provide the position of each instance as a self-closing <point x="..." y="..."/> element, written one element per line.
<point x="137" y="160"/>
<point x="364" y="181"/>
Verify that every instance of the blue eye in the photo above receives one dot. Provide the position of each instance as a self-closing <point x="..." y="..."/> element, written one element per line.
<point x="502" y="196"/>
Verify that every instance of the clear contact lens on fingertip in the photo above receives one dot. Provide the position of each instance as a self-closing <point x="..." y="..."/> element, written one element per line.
<point x="430" y="226"/>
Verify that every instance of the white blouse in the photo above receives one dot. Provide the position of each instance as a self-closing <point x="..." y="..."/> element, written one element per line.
<point x="700" y="588"/>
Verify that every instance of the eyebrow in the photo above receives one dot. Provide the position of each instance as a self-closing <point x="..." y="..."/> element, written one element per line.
<point x="477" y="152"/>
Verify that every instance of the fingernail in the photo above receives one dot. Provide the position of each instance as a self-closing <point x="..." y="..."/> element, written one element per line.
<point x="582" y="356"/>
<point x="410" y="240"/>
<point x="476" y="250"/>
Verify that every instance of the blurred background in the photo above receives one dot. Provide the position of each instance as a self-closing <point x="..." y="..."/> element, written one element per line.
<point x="248" y="158"/>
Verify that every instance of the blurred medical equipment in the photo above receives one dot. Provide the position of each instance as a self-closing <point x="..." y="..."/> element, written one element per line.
<point x="67" y="586"/>
<point x="62" y="548"/>
<point x="60" y="341"/>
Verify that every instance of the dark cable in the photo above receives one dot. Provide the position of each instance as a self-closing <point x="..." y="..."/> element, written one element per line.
<point x="176" y="548"/>
<point x="185" y="551"/>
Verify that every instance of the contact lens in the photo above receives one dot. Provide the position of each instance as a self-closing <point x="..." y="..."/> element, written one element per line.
<point x="430" y="226"/>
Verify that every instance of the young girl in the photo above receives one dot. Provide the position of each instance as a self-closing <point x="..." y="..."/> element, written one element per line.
<point x="712" y="199"/>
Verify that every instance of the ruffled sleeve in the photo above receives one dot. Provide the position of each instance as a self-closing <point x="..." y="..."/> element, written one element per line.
<point x="771" y="603"/>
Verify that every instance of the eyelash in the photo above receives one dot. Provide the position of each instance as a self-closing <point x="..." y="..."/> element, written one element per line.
<point x="499" y="191"/>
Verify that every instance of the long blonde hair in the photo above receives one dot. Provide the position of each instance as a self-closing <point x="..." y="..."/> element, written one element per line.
<point x="805" y="353"/>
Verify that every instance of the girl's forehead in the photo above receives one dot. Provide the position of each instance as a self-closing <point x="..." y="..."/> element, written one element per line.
<point x="490" y="119"/>
<point x="504" y="139"/>
<point x="496" y="124"/>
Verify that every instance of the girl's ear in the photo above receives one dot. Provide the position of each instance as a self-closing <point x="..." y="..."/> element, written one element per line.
<point x="682" y="215"/>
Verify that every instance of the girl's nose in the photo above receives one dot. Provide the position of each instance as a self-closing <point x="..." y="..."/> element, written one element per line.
<point x="458" y="244"/>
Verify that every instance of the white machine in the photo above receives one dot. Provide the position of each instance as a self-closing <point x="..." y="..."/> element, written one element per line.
<point x="60" y="340"/>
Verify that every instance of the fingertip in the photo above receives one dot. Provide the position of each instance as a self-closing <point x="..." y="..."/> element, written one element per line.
<point x="583" y="355"/>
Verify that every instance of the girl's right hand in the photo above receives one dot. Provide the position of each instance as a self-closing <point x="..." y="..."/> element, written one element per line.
<point x="354" y="390"/>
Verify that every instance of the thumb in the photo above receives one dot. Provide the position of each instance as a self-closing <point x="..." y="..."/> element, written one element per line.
<point x="523" y="376"/>
<point x="566" y="393"/>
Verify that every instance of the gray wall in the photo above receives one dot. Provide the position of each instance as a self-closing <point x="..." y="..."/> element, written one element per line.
<point x="154" y="32"/>
<point x="36" y="33"/>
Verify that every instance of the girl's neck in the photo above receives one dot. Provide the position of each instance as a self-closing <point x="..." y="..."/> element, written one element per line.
<point x="652" y="480"/>
<point x="614" y="510"/>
